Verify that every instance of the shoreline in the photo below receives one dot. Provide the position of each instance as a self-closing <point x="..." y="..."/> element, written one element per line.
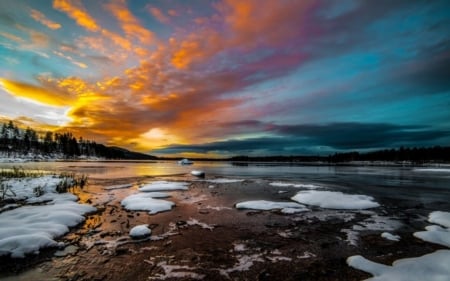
<point x="206" y="236"/>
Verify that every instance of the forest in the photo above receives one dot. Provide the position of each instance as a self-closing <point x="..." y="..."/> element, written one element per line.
<point x="18" y="141"/>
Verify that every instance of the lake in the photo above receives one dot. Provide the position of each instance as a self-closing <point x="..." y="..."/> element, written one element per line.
<point x="426" y="185"/>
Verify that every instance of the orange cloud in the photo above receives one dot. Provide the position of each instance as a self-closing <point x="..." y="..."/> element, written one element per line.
<point x="172" y="13"/>
<point x="12" y="37"/>
<point x="129" y="23"/>
<point x="41" y="18"/>
<point x="77" y="12"/>
<point x="159" y="15"/>
<point x="253" y="25"/>
<point x="72" y="60"/>
<point x="42" y="95"/>
<point x="196" y="47"/>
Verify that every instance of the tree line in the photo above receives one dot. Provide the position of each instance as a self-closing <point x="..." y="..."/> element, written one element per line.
<point x="14" y="140"/>
<point x="416" y="155"/>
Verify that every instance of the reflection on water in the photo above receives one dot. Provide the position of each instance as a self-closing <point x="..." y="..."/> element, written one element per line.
<point x="396" y="182"/>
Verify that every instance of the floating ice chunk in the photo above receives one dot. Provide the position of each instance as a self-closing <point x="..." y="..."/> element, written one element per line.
<point x="145" y="202"/>
<point x="389" y="236"/>
<point x="268" y="205"/>
<point x="164" y="186"/>
<point x="430" y="267"/>
<point x="140" y="231"/>
<point x="335" y="200"/>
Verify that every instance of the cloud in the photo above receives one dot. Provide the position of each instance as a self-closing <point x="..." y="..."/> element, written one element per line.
<point x="42" y="95"/>
<point x="129" y="23"/>
<point x="316" y="139"/>
<point x="75" y="10"/>
<point x="159" y="15"/>
<point x="41" y="18"/>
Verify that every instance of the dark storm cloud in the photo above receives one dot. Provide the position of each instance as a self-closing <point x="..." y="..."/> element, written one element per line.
<point x="337" y="136"/>
<point x="362" y="135"/>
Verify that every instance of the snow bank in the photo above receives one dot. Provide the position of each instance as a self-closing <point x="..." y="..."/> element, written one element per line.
<point x="430" y="267"/>
<point x="164" y="186"/>
<point x="146" y="202"/>
<point x="24" y="188"/>
<point x="286" y="207"/>
<point x="435" y="233"/>
<point x="27" y="229"/>
<point x="140" y="231"/>
<point x="335" y="200"/>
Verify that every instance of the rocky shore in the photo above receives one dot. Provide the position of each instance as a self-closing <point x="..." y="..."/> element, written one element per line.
<point x="205" y="237"/>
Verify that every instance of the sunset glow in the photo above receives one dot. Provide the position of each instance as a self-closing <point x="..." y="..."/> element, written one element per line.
<point x="230" y="77"/>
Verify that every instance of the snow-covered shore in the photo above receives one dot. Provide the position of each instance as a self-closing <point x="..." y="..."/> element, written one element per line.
<point x="26" y="228"/>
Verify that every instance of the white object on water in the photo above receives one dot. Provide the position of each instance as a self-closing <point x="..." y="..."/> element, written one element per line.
<point x="140" y="231"/>
<point x="198" y="173"/>
<point x="185" y="161"/>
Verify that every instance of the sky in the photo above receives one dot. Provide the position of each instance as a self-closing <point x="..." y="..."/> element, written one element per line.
<point x="230" y="77"/>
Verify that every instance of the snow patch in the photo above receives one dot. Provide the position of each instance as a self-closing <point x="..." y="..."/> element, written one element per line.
<point x="176" y="271"/>
<point x="430" y="267"/>
<point x="352" y="236"/>
<point x="27" y="229"/>
<point x="203" y="225"/>
<point x="389" y="236"/>
<point x="145" y="202"/>
<point x="164" y="186"/>
<point x="286" y="207"/>
<point x="335" y="200"/>
<point x="140" y="231"/>
<point x="435" y="233"/>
